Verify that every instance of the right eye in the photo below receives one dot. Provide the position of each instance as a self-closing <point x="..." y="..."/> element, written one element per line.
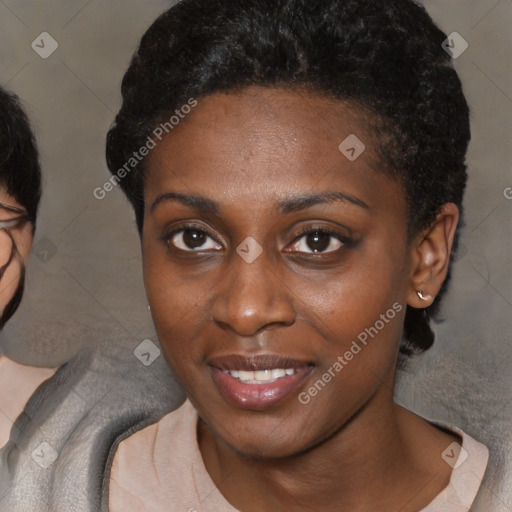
<point x="191" y="239"/>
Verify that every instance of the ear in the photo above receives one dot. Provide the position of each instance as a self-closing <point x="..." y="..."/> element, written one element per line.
<point x="430" y="257"/>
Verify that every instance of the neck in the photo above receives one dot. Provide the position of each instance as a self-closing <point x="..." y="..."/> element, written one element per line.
<point x="380" y="459"/>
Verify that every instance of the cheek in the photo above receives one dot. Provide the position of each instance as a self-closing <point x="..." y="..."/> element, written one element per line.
<point x="9" y="282"/>
<point x="5" y="247"/>
<point x="177" y="306"/>
<point x="358" y="344"/>
<point x="362" y="302"/>
<point x="357" y="331"/>
<point x="357" y="318"/>
<point x="11" y="273"/>
<point x="24" y="238"/>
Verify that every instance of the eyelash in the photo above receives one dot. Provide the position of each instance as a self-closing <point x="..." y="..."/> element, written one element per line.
<point x="344" y="240"/>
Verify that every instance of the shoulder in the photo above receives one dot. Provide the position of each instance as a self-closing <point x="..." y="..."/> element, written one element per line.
<point x="17" y="382"/>
<point x="73" y="419"/>
<point x="172" y="424"/>
<point x="138" y="467"/>
<point x="468" y="461"/>
<point x="471" y="451"/>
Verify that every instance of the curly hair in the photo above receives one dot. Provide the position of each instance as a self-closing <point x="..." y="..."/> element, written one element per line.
<point x="384" y="57"/>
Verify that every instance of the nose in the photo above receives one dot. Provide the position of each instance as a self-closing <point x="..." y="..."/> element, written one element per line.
<point x="251" y="297"/>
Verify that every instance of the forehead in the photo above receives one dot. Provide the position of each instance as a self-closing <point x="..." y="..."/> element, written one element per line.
<point x="261" y="117"/>
<point x="265" y="142"/>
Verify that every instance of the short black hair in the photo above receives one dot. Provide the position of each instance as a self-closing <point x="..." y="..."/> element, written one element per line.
<point x="384" y="56"/>
<point x="20" y="175"/>
<point x="20" y="172"/>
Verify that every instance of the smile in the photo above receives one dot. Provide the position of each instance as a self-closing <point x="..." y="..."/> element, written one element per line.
<point x="258" y="382"/>
<point x="261" y="376"/>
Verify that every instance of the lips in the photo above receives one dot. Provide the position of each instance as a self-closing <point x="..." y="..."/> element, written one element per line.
<point x="258" y="381"/>
<point x="255" y="362"/>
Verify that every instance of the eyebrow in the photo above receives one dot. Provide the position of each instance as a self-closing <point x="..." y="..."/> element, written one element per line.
<point x="292" y="204"/>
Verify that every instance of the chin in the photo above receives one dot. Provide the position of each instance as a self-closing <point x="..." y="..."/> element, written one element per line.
<point x="267" y="443"/>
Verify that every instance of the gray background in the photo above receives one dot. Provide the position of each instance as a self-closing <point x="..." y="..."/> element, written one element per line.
<point x="84" y="282"/>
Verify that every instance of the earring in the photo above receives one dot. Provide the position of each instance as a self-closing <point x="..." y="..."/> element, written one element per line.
<point x="423" y="297"/>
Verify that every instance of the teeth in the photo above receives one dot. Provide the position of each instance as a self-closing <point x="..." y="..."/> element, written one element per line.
<point x="261" y="376"/>
<point x="276" y="374"/>
<point x="243" y="375"/>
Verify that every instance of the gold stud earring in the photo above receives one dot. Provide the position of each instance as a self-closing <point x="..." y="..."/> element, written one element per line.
<point x="422" y="296"/>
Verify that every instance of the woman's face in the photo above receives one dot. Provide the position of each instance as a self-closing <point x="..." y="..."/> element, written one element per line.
<point x="266" y="249"/>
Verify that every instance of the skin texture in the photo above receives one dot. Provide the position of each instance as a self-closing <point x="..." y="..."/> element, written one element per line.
<point x="350" y="448"/>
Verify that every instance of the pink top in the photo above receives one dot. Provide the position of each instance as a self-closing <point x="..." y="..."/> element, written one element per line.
<point x="17" y="383"/>
<point x="160" y="469"/>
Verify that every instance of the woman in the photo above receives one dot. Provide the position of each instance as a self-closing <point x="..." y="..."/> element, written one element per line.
<point x="297" y="171"/>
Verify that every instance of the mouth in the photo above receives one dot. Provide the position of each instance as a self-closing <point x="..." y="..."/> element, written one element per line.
<point x="258" y="382"/>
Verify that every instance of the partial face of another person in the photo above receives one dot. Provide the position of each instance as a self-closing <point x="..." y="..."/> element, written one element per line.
<point x="16" y="236"/>
<point x="265" y="248"/>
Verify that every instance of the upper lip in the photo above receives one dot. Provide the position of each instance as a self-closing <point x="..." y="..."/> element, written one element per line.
<point x="253" y="362"/>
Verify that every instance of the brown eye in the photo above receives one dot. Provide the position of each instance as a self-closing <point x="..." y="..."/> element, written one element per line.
<point x="192" y="239"/>
<point x="318" y="241"/>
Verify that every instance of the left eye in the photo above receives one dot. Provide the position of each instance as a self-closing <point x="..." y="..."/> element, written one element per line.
<point x="318" y="241"/>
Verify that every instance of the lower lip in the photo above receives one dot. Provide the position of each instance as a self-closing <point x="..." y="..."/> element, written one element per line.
<point x="258" y="396"/>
